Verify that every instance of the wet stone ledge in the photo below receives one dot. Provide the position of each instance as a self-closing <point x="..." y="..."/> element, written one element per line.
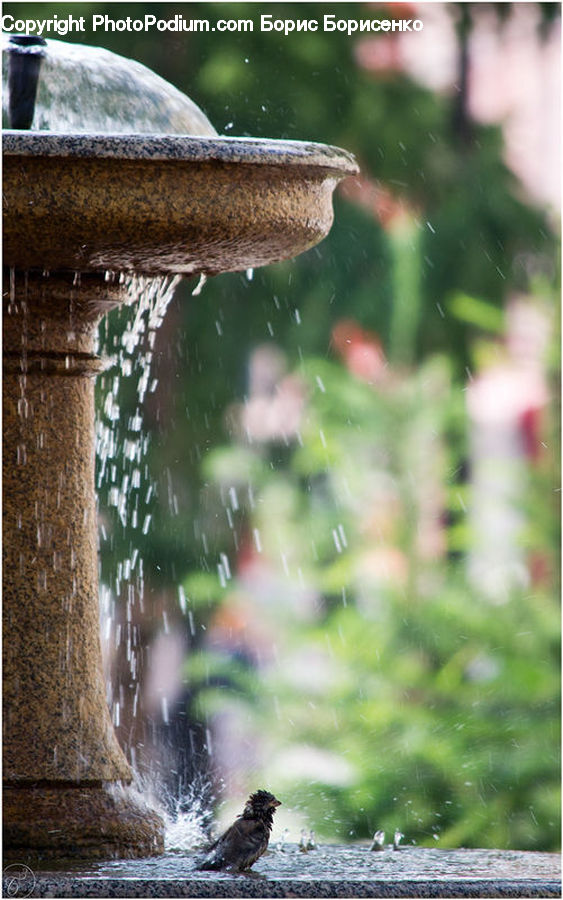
<point x="325" y="872"/>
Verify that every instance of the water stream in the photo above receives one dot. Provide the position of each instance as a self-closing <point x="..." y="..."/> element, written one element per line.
<point x="122" y="481"/>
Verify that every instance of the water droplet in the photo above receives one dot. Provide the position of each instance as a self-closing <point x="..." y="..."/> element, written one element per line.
<point x="200" y="285"/>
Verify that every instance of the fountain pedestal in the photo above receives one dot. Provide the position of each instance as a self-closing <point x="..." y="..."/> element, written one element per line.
<point x="60" y="750"/>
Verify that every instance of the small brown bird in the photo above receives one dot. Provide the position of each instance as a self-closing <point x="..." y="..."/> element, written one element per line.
<point x="247" y="838"/>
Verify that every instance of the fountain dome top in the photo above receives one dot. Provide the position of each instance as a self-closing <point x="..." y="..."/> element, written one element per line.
<point x="85" y="89"/>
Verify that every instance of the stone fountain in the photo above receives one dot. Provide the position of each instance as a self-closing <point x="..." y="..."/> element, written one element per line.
<point x="80" y="209"/>
<point x="84" y="205"/>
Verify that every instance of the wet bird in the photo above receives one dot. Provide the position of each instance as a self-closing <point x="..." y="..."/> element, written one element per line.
<point x="247" y="838"/>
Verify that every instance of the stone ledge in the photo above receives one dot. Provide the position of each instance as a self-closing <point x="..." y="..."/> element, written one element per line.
<point x="327" y="872"/>
<point x="76" y="888"/>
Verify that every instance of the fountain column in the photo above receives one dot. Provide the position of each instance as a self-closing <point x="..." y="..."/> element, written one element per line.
<point x="63" y="769"/>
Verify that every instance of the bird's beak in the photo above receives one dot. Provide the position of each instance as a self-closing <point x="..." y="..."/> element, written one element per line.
<point x="275" y="803"/>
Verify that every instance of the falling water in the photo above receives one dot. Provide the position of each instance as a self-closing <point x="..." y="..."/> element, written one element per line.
<point x="126" y="494"/>
<point x="122" y="474"/>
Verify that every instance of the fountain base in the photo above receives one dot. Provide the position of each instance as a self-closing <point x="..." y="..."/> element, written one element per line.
<point x="329" y="871"/>
<point x="64" y="771"/>
<point x="67" y="821"/>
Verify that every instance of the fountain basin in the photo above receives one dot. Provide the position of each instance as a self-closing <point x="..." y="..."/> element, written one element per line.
<point x="329" y="871"/>
<point x="164" y="203"/>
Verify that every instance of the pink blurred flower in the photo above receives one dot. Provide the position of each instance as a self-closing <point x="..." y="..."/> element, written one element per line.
<point x="361" y="350"/>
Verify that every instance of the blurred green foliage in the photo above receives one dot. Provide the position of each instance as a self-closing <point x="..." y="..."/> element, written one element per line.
<point x="444" y="706"/>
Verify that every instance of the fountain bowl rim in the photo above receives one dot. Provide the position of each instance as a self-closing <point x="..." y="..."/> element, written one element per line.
<point x="179" y="147"/>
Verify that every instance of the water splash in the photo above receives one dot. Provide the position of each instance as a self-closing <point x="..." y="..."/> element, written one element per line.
<point x="378" y="842"/>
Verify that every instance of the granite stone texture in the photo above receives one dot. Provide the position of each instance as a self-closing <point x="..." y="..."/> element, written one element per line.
<point x="325" y="872"/>
<point x="59" y="748"/>
<point x="164" y="204"/>
<point x="82" y="821"/>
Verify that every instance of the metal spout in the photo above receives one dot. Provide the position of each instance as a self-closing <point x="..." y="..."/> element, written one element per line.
<point x="24" y="62"/>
